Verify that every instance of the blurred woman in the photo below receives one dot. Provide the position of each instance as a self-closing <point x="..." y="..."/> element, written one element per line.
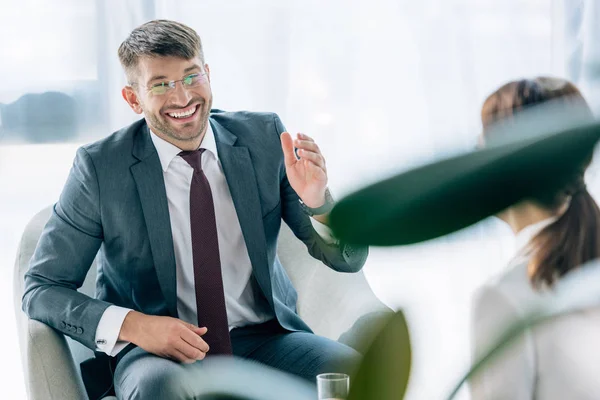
<point x="556" y="233"/>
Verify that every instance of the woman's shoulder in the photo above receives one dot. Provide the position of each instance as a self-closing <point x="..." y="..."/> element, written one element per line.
<point x="513" y="287"/>
<point x="514" y="277"/>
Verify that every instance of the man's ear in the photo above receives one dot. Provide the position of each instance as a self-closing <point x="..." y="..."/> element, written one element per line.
<point x="132" y="99"/>
<point x="206" y="67"/>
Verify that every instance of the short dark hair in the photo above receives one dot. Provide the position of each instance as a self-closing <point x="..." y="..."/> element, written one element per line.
<point x="159" y="38"/>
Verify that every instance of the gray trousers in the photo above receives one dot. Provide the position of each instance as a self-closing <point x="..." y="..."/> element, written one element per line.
<point x="261" y="352"/>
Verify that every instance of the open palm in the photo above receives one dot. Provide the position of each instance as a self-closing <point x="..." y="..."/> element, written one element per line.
<point x="307" y="175"/>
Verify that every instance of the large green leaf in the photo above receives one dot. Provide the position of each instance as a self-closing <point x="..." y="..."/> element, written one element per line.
<point x="385" y="368"/>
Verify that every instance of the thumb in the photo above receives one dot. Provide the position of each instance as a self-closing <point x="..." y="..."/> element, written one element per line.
<point x="197" y="330"/>
<point x="200" y="331"/>
<point x="287" y="144"/>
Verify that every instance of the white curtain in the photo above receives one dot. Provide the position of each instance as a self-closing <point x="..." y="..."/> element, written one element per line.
<point x="382" y="85"/>
<point x="582" y="30"/>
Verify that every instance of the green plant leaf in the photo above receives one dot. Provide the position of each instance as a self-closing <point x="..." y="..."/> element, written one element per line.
<point x="385" y="369"/>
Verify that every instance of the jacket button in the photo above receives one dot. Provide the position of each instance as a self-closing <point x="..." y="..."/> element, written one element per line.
<point x="79" y="330"/>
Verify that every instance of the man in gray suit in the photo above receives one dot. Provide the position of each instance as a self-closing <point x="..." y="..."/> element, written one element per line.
<point x="183" y="209"/>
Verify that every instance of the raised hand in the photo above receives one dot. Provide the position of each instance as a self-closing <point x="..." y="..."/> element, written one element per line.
<point x="308" y="174"/>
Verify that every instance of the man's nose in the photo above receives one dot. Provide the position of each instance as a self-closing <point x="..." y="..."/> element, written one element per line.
<point x="180" y="96"/>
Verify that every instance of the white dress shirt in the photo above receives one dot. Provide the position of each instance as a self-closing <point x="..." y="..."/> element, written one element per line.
<point x="244" y="303"/>
<point x="556" y="361"/>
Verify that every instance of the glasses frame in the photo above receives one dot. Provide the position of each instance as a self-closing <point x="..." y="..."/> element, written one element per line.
<point x="170" y="85"/>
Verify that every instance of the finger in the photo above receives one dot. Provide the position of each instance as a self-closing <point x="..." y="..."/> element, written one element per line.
<point x="313" y="157"/>
<point x="317" y="171"/>
<point x="307" y="145"/>
<point x="287" y="144"/>
<point x="304" y="136"/>
<point x="175" y="355"/>
<point x="197" y="330"/>
<point x="200" y="331"/>
<point x="189" y="351"/>
<point x="194" y="340"/>
<point x="182" y="358"/>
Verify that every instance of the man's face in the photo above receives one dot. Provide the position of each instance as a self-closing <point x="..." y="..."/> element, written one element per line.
<point x="180" y="114"/>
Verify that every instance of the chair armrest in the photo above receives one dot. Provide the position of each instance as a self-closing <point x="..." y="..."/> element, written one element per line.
<point x="364" y="330"/>
<point x="50" y="372"/>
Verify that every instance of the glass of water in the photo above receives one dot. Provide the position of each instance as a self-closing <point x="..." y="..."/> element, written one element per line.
<point x="333" y="386"/>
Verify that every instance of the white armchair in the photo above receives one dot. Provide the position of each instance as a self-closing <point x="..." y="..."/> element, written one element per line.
<point x="329" y="302"/>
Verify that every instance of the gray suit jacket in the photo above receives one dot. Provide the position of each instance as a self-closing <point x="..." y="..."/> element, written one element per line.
<point x="114" y="205"/>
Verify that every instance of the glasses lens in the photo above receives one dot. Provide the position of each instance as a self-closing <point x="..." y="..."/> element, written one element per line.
<point x="159" y="89"/>
<point x="192" y="80"/>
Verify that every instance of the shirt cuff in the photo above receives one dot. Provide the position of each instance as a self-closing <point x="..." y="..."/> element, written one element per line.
<point x="324" y="231"/>
<point x="108" y="330"/>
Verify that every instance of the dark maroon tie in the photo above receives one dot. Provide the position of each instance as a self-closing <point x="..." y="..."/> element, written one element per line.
<point x="210" y="298"/>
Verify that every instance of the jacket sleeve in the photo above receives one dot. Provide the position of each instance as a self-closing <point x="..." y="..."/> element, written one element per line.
<point x="512" y="374"/>
<point x="340" y="256"/>
<point x="63" y="256"/>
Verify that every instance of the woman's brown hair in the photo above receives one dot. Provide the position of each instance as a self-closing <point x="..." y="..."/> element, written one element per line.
<point x="574" y="238"/>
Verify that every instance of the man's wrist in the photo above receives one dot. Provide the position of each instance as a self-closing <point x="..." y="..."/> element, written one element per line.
<point x="323" y="218"/>
<point x="323" y="210"/>
<point x="130" y="325"/>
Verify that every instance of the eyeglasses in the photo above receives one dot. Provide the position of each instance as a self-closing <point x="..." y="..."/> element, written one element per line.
<point x="187" y="82"/>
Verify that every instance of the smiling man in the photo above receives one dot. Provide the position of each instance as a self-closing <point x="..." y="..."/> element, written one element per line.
<point x="183" y="210"/>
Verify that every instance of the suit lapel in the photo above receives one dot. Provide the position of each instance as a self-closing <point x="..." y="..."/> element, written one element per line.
<point x="149" y="180"/>
<point x="241" y="180"/>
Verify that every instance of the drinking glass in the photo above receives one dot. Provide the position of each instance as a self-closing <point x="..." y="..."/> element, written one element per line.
<point x="333" y="386"/>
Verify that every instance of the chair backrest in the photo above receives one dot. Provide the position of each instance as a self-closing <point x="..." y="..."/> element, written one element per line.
<point x="328" y="301"/>
<point x="46" y="356"/>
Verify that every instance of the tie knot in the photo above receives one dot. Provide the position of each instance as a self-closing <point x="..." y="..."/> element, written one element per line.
<point x="194" y="158"/>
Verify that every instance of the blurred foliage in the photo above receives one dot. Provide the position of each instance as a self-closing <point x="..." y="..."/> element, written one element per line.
<point x="385" y="369"/>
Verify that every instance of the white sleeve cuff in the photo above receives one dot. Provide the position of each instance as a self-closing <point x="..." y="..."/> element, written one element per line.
<point x="108" y="330"/>
<point x="324" y="231"/>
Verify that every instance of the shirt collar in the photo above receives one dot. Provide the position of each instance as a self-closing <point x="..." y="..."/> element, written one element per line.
<point x="529" y="232"/>
<point x="168" y="151"/>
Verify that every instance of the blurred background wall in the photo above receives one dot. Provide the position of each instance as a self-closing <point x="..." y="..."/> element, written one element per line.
<point x="382" y="85"/>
